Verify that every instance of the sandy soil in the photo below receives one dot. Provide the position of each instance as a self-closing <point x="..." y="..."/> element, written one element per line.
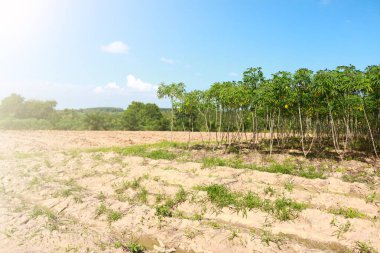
<point x="53" y="199"/>
<point x="40" y="141"/>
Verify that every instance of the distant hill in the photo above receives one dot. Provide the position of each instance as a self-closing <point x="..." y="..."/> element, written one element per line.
<point x="108" y="109"/>
<point x="102" y="109"/>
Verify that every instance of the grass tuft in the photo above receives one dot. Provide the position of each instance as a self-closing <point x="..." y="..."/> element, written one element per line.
<point x="282" y="208"/>
<point x="52" y="218"/>
<point x="112" y="215"/>
<point x="364" y="247"/>
<point x="347" y="212"/>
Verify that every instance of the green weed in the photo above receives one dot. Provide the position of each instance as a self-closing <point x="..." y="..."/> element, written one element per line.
<point x="371" y="198"/>
<point x="347" y="212"/>
<point x="102" y="209"/>
<point x="142" y="196"/>
<point x="52" y="218"/>
<point x="134" y="247"/>
<point x="282" y="208"/>
<point x="364" y="247"/>
<point x="341" y="228"/>
<point x="160" y="197"/>
<point x="143" y="150"/>
<point x="269" y="191"/>
<point x="289" y="186"/>
<point x="210" y="162"/>
<point x="164" y="211"/>
<point x="114" y="215"/>
<point x="268" y="237"/>
<point x="180" y="196"/>
<point x="287" y="209"/>
<point x="161" y="154"/>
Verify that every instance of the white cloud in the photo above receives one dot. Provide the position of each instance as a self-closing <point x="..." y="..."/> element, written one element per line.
<point x="108" y="87"/>
<point x="98" y="90"/>
<point x="116" y="47"/>
<point x="233" y="74"/>
<point x="167" y="60"/>
<point x="112" y="86"/>
<point x="139" y="85"/>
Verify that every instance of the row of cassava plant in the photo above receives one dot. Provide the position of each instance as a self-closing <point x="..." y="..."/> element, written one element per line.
<point x="337" y="110"/>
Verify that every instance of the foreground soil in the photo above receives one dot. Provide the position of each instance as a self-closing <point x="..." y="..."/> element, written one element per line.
<point x="58" y="196"/>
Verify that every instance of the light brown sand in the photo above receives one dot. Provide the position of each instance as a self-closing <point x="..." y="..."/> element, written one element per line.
<point x="36" y="172"/>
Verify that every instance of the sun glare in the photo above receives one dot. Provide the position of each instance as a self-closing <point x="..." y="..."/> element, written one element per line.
<point x="21" y="18"/>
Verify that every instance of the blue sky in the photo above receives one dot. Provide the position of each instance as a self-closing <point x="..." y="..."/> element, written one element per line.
<point x="86" y="53"/>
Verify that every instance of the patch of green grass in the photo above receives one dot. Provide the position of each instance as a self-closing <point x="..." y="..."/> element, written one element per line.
<point x="135" y="247"/>
<point x="97" y="156"/>
<point x="164" y="211"/>
<point x="292" y="169"/>
<point x="282" y="208"/>
<point x="287" y="209"/>
<point x="210" y="162"/>
<point x="101" y="196"/>
<point x="113" y="215"/>
<point x="358" y="176"/>
<point x="102" y="209"/>
<point x="191" y="233"/>
<point x="214" y="224"/>
<point x="159" y="150"/>
<point x="371" y="198"/>
<point x="248" y="202"/>
<point x="135" y="184"/>
<point x="132" y="247"/>
<point x="180" y="196"/>
<point x="169" y="144"/>
<point x="341" y="228"/>
<point x="72" y="188"/>
<point x="220" y="195"/>
<point x="364" y="247"/>
<point x="289" y="186"/>
<point x="52" y="218"/>
<point x="236" y="163"/>
<point x="197" y="216"/>
<point x="161" y="154"/>
<point x="268" y="237"/>
<point x="160" y="197"/>
<point x="269" y="191"/>
<point x="142" y="196"/>
<point x="347" y="212"/>
<point x="234" y="234"/>
<point x="43" y="211"/>
<point x="285" y="168"/>
<point x="34" y="181"/>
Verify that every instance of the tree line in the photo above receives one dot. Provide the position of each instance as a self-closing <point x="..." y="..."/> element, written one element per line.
<point x="328" y="110"/>
<point x="18" y="113"/>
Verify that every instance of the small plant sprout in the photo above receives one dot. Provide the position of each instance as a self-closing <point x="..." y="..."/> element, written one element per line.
<point x="289" y="186"/>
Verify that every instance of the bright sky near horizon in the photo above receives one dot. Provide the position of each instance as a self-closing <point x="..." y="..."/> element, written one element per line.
<point x="87" y="53"/>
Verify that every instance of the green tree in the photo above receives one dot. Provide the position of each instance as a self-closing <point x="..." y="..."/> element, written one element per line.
<point x="96" y="120"/>
<point x="173" y="91"/>
<point x="37" y="109"/>
<point x="11" y="105"/>
<point x="139" y="116"/>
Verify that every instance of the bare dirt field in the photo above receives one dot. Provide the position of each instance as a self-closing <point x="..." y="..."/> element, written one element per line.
<point x="66" y="191"/>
